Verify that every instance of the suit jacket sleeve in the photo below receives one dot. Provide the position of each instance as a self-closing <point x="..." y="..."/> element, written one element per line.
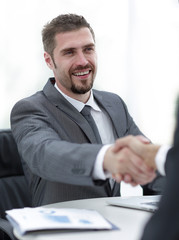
<point x="164" y="223"/>
<point x="46" y="154"/>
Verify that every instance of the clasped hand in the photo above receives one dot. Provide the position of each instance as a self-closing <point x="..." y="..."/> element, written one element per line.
<point x="132" y="160"/>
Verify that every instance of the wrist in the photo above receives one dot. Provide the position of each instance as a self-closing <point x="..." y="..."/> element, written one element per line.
<point x="106" y="161"/>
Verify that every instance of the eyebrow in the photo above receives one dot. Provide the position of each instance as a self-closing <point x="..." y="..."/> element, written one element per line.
<point x="90" y="45"/>
<point x="67" y="49"/>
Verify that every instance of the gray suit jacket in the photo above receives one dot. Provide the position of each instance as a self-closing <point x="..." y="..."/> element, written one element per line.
<point x="58" y="148"/>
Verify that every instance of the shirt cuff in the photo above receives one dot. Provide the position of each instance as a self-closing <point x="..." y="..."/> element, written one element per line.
<point x="98" y="171"/>
<point x="160" y="158"/>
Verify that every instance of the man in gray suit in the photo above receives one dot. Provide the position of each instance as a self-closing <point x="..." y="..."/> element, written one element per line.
<point x="64" y="157"/>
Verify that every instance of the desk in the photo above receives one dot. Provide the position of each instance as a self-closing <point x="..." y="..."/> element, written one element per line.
<point x="131" y="222"/>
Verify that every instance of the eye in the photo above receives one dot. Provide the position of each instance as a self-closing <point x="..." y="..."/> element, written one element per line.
<point x="89" y="49"/>
<point x="70" y="52"/>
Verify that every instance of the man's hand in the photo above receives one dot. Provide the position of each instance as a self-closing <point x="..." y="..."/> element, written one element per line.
<point x="125" y="165"/>
<point x="138" y="145"/>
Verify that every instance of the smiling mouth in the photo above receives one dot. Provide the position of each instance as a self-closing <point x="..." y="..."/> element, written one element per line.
<point x="81" y="73"/>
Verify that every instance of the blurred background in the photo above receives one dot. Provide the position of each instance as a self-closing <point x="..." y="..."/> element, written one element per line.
<point x="138" y="55"/>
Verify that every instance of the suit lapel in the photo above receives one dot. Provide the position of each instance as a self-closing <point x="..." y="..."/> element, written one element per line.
<point x="61" y="103"/>
<point x="110" y="108"/>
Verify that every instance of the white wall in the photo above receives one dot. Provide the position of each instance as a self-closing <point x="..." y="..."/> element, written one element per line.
<point x="153" y="60"/>
<point x="138" y="53"/>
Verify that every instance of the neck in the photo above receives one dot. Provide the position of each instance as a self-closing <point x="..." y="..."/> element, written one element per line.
<point x="79" y="97"/>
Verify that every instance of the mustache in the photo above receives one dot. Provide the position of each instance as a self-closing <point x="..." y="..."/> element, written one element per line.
<point x="83" y="67"/>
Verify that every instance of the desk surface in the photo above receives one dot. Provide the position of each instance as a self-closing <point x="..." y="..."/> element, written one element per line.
<point x="130" y="222"/>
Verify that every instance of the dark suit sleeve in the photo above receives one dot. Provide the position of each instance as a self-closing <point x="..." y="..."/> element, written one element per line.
<point x="164" y="224"/>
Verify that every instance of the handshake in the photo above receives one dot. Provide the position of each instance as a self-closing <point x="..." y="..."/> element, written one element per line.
<point x="132" y="160"/>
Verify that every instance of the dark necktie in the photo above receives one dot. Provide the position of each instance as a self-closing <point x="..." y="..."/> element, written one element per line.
<point x="86" y="112"/>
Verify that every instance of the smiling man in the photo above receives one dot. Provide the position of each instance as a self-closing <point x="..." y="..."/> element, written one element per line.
<point x="74" y="63"/>
<point x="66" y="133"/>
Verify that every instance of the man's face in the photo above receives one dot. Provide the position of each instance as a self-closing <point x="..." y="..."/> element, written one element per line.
<point x="74" y="62"/>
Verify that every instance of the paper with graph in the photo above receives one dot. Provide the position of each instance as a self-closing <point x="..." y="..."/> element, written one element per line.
<point x="34" y="219"/>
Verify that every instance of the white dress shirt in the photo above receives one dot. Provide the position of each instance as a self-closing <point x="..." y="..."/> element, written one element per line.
<point x="160" y="158"/>
<point x="105" y="129"/>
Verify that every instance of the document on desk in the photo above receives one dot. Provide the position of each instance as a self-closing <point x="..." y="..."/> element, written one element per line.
<point x="36" y="219"/>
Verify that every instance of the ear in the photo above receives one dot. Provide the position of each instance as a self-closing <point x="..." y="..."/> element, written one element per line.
<point x="48" y="60"/>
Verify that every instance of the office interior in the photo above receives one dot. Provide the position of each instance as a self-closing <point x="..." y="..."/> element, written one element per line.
<point x="138" y="56"/>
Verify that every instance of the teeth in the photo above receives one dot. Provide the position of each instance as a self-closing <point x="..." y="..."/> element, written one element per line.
<point x="81" y="73"/>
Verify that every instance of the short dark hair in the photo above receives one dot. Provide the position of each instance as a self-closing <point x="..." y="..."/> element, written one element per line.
<point x="62" y="23"/>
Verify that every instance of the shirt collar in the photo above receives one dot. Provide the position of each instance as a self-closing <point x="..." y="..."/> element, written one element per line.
<point x="80" y="105"/>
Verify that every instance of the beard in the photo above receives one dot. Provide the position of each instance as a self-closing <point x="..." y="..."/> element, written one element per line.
<point x="86" y="86"/>
<point x="82" y="89"/>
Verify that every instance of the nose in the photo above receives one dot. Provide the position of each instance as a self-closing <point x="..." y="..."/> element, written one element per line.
<point x="81" y="59"/>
